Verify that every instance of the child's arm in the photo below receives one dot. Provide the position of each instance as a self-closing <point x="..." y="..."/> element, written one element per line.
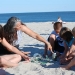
<point x="63" y="57"/>
<point x="65" y="51"/>
<point x="72" y="50"/>
<point x="52" y="39"/>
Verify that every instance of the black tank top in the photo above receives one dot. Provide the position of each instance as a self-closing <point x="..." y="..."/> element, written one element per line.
<point x="3" y="50"/>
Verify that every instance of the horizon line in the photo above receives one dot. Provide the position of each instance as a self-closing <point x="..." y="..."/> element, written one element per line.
<point x="34" y="12"/>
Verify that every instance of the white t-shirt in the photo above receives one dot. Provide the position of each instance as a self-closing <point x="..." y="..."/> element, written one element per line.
<point x="53" y="32"/>
<point x="19" y="36"/>
<point x="59" y="20"/>
<point x="58" y="38"/>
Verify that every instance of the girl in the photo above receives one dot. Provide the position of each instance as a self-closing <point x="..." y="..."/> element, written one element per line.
<point x="7" y="60"/>
<point x="68" y="38"/>
<point x="72" y="54"/>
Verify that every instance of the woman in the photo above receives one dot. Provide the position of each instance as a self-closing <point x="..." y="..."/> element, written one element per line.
<point x="7" y="60"/>
<point x="6" y="48"/>
<point x="13" y="29"/>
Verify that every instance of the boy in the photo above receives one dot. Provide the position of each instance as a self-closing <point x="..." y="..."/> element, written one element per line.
<point x="55" y="40"/>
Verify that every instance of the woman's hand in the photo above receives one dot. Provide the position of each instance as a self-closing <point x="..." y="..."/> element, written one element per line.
<point x="26" y="53"/>
<point x="49" y="47"/>
<point x="25" y="57"/>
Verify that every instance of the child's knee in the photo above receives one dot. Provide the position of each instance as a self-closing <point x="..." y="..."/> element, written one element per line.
<point x="52" y="37"/>
<point x="2" y="61"/>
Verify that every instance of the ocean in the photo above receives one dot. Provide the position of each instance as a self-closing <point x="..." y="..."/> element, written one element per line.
<point x="68" y="16"/>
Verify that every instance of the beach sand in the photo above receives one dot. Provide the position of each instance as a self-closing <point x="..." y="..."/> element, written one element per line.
<point x="30" y="44"/>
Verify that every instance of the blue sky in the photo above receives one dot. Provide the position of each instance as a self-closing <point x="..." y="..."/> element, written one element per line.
<point x="17" y="6"/>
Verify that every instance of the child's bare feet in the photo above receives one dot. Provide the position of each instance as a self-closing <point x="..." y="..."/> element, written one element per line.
<point x="63" y="61"/>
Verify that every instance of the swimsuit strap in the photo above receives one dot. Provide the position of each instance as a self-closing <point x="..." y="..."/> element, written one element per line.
<point x="70" y="43"/>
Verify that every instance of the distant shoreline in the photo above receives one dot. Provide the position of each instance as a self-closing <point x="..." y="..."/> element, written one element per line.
<point x="35" y="12"/>
<point x="39" y="22"/>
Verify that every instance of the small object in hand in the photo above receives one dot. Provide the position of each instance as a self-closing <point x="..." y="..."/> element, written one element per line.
<point x="54" y="56"/>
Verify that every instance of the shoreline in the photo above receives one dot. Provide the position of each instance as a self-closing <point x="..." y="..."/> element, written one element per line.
<point x="42" y="22"/>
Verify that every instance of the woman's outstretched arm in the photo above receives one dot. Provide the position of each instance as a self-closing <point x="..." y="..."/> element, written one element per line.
<point x="31" y="33"/>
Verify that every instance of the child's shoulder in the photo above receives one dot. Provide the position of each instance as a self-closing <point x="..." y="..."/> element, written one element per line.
<point x="54" y="33"/>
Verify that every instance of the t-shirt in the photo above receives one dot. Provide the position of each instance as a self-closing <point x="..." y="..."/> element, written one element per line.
<point x="19" y="36"/>
<point x="59" y="20"/>
<point x="58" y="38"/>
<point x="70" y="43"/>
<point x="58" y="43"/>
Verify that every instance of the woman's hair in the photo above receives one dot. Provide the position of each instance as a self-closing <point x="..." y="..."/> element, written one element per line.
<point x="9" y="30"/>
<point x="1" y="32"/>
<point x="57" y="25"/>
<point x="66" y="34"/>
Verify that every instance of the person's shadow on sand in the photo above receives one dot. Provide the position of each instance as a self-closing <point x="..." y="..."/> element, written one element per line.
<point x="3" y="72"/>
<point x="37" y="49"/>
<point x="33" y="49"/>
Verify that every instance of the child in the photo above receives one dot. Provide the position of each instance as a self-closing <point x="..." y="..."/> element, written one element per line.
<point x="72" y="51"/>
<point x="68" y="38"/>
<point x="55" y="40"/>
<point x="59" y="19"/>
